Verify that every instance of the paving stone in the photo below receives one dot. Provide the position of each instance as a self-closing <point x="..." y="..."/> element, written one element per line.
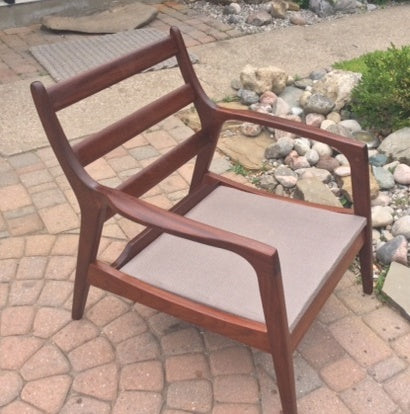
<point x="368" y="397"/>
<point x="236" y="389"/>
<point x="50" y="320"/>
<point x="357" y="301"/>
<point x="147" y="403"/>
<point x="269" y="395"/>
<point x="192" y="396"/>
<point x="10" y="386"/>
<point x="26" y="224"/>
<point x="235" y="409"/>
<point x="182" y="342"/>
<point x="40" y="177"/>
<point x="398" y="389"/>
<point x="55" y="293"/>
<point x="144" y="152"/>
<point x="84" y="405"/>
<point x="402" y="346"/>
<point x="16" y="320"/>
<point x="106" y="310"/>
<point x="39" y="244"/>
<point x="96" y="352"/>
<point x="387" y="323"/>
<point x="48" y="394"/>
<point x="306" y="377"/>
<point x="25" y="292"/>
<point x="31" y="267"/>
<point x="145" y="311"/>
<point x="75" y="334"/>
<point x="140" y="348"/>
<point x="13" y="197"/>
<point x="99" y="382"/>
<point x="100" y="170"/>
<point x="160" y="139"/>
<point x="333" y="310"/>
<point x="127" y="325"/>
<point x="387" y="368"/>
<point x="23" y="160"/>
<point x="214" y="341"/>
<point x="173" y="183"/>
<point x="65" y="244"/>
<point x="48" y="198"/>
<point x="186" y="367"/>
<point x="11" y="248"/>
<point x="8" y="269"/>
<point x="319" y="347"/>
<point x="59" y="218"/>
<point x="142" y="376"/>
<point x="342" y="374"/>
<point x="236" y="360"/>
<point x="20" y="407"/>
<point x="60" y="267"/>
<point x="360" y="341"/>
<point x="322" y="401"/>
<point x="162" y="324"/>
<point x="47" y="361"/>
<point x="113" y="250"/>
<point x="4" y="291"/>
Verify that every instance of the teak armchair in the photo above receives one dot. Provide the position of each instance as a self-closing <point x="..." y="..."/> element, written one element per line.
<point x="250" y="265"/>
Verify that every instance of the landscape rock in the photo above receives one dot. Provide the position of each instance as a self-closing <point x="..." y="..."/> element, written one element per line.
<point x="278" y="9"/>
<point x="314" y="119"/>
<point x="118" y="19"/>
<point x="342" y="171"/>
<point x="319" y="104"/>
<point x="402" y="227"/>
<point x="378" y="160"/>
<point x="327" y="162"/>
<point x="396" y="145"/>
<point x="402" y="174"/>
<point x="351" y="124"/>
<point x="298" y="20"/>
<point x="334" y="116"/>
<point x="280" y="107"/>
<point x="339" y="130"/>
<point x="260" y="18"/>
<point x="268" y="182"/>
<point x="314" y="191"/>
<point x="263" y="79"/>
<point x="251" y="130"/>
<point x="268" y="97"/>
<point x="394" y="250"/>
<point x="322" y="149"/>
<point x="248" y="97"/>
<point x="384" y="178"/>
<point x="286" y="176"/>
<point x="337" y="86"/>
<point x="381" y="216"/>
<point x="279" y="149"/>
<point x="381" y="200"/>
<point x="302" y="145"/>
<point x="322" y="175"/>
<point x="233" y="8"/>
<point x="291" y="95"/>
<point x="312" y="156"/>
<point x="367" y="138"/>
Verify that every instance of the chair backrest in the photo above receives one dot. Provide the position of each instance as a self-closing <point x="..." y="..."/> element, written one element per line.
<point x="74" y="158"/>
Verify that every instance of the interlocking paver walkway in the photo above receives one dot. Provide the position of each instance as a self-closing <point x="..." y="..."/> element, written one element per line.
<point x="127" y="358"/>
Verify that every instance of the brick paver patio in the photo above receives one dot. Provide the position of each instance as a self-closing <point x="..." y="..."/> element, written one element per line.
<point x="127" y="358"/>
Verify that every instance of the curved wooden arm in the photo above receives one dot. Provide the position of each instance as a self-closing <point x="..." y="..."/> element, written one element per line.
<point x="260" y="255"/>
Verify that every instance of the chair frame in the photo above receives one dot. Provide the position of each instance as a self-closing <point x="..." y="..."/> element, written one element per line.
<point x="98" y="203"/>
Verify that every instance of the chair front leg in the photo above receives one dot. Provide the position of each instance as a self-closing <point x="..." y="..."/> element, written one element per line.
<point x="92" y="221"/>
<point x="273" y="299"/>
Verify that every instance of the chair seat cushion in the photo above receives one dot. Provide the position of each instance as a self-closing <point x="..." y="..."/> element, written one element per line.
<point x="310" y="242"/>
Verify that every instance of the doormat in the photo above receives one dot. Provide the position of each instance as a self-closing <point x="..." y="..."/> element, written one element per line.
<point x="63" y="60"/>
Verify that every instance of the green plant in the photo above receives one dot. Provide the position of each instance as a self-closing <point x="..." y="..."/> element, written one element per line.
<point x="230" y="98"/>
<point x="381" y="100"/>
<point x="380" y="282"/>
<point x="352" y="65"/>
<point x="239" y="169"/>
<point x="303" y="4"/>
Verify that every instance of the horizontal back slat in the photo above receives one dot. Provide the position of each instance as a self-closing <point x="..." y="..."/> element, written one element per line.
<point x="102" y="142"/>
<point x="88" y="83"/>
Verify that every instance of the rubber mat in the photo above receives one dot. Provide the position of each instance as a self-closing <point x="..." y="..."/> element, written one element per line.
<point x="65" y="59"/>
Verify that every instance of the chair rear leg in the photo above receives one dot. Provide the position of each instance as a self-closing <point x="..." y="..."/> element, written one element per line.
<point x="366" y="267"/>
<point x="90" y="233"/>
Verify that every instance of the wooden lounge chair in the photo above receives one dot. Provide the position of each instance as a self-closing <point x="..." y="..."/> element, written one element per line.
<point x="250" y="265"/>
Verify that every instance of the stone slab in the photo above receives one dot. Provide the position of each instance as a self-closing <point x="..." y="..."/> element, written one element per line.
<point x="314" y="191"/>
<point x="397" y="287"/>
<point x="117" y="19"/>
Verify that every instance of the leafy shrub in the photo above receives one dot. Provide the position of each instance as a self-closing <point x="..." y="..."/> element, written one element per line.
<point x="381" y="100"/>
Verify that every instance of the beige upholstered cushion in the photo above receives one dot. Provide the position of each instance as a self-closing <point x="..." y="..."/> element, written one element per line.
<point x="309" y="240"/>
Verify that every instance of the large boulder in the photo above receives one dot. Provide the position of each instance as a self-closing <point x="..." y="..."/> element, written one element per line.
<point x="337" y="86"/>
<point x="397" y="145"/>
<point x="260" y="80"/>
<point x="325" y="8"/>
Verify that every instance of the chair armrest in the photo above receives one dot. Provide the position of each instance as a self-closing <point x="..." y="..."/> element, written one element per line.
<point x="260" y="255"/>
<point x="355" y="151"/>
